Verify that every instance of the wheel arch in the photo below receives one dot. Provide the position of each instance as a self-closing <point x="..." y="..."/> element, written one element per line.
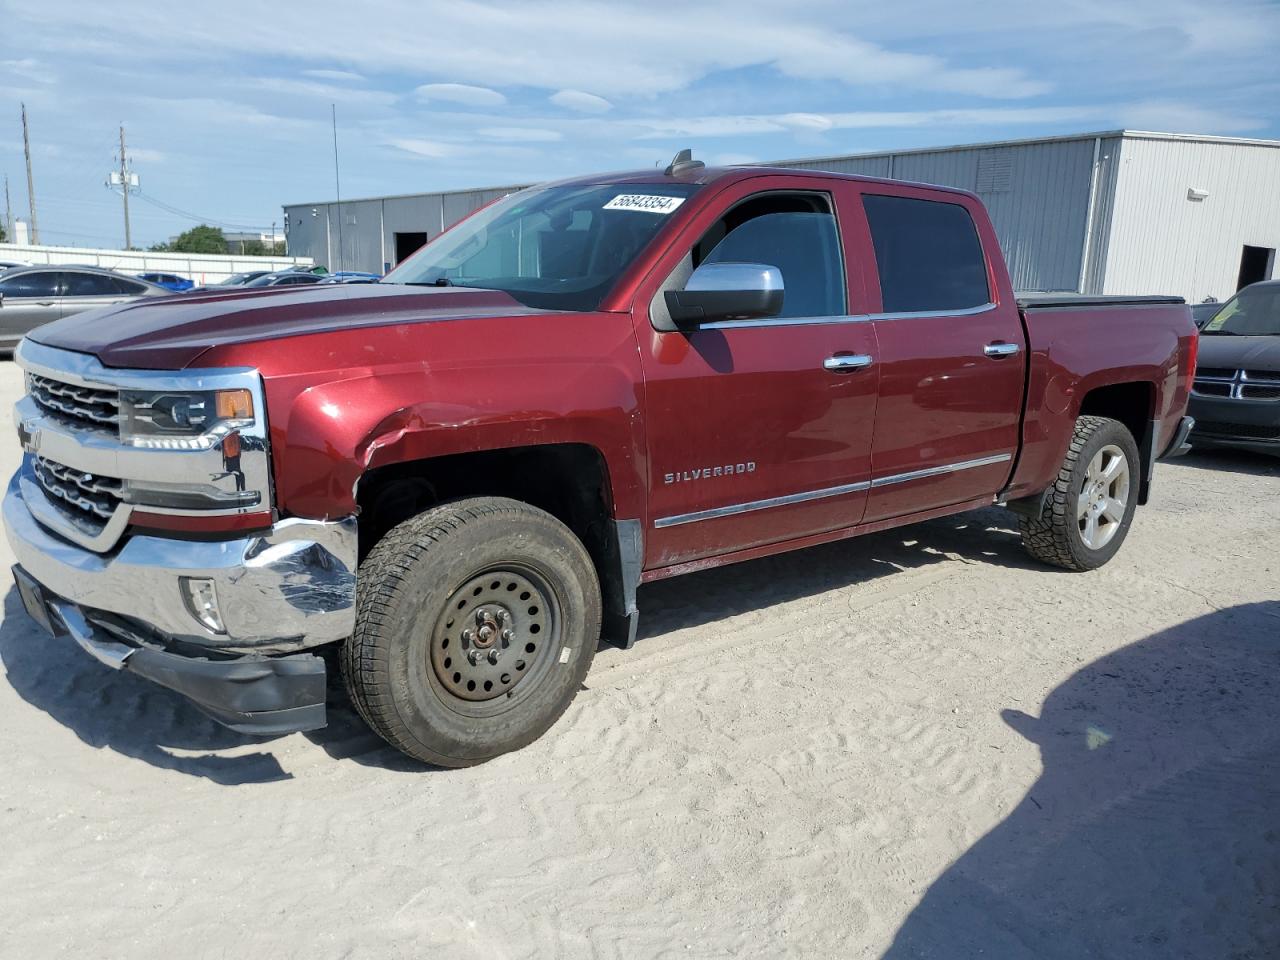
<point x="1132" y="403"/>
<point x="571" y="481"/>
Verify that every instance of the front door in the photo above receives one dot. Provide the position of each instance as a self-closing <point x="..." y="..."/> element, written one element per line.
<point x="760" y="430"/>
<point x="30" y="298"/>
<point x="952" y="366"/>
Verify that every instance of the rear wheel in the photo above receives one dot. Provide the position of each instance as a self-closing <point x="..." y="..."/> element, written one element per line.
<point x="476" y="623"/>
<point x="1088" y="511"/>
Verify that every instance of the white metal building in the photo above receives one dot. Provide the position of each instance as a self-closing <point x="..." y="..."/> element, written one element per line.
<point x="1122" y="211"/>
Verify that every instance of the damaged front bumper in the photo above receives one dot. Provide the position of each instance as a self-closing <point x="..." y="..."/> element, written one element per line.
<point x="278" y="593"/>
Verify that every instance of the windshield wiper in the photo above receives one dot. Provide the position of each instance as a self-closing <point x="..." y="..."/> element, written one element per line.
<point x="437" y="282"/>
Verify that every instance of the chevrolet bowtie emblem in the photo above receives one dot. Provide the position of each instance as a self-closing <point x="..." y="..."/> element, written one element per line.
<point x="29" y="437"/>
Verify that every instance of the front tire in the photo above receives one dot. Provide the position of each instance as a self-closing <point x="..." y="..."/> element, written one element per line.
<point x="476" y="623"/>
<point x="1088" y="511"/>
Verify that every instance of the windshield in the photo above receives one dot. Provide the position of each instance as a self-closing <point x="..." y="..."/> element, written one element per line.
<point x="1253" y="312"/>
<point x="556" y="248"/>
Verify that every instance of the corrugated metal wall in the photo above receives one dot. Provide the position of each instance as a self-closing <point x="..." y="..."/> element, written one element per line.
<point x="369" y="227"/>
<point x="1037" y="193"/>
<point x="1163" y="242"/>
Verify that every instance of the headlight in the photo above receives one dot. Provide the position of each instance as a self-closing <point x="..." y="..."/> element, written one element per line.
<point x="181" y="419"/>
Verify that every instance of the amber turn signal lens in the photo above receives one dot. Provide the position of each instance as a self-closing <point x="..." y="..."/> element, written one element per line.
<point x="234" y="405"/>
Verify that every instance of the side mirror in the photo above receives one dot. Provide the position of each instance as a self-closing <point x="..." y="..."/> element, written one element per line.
<point x="727" y="291"/>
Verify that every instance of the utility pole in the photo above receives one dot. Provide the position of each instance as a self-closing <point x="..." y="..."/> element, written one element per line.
<point x="124" y="191"/>
<point x="8" y="212"/>
<point x="31" y="184"/>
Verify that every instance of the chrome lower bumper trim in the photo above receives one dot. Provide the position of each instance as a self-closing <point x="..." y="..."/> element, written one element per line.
<point x="280" y="591"/>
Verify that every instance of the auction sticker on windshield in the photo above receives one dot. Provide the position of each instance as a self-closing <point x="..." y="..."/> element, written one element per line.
<point x="648" y="202"/>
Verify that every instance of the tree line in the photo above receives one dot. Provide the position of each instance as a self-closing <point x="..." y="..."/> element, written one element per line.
<point x="207" y="239"/>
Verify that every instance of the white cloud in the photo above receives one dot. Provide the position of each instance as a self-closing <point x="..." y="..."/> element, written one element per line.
<point x="553" y="44"/>
<point x="29" y="68"/>
<point x="521" y="134"/>
<point x="580" y="101"/>
<point x="461" y="93"/>
<point x="425" y="148"/>
<point x="339" y="76"/>
<point x="287" y="86"/>
<point x="806" y="121"/>
<point x="147" y="155"/>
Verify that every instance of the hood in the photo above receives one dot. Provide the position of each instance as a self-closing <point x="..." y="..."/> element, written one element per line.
<point x="169" y="333"/>
<point x="1239" y="353"/>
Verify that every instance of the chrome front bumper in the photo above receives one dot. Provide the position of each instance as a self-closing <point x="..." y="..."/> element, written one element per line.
<point x="281" y="591"/>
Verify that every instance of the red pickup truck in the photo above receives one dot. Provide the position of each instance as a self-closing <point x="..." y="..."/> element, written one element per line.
<point x="456" y="479"/>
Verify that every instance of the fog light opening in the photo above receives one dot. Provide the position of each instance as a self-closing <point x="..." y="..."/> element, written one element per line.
<point x="201" y="597"/>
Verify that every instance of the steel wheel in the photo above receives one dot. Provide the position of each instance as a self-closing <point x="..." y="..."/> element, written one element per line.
<point x="494" y="639"/>
<point x="1104" y="497"/>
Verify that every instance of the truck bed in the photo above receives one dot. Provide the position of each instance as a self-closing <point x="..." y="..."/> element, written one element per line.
<point x="1040" y="301"/>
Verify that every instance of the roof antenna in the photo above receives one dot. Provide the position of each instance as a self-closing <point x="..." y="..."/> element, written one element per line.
<point x="683" y="161"/>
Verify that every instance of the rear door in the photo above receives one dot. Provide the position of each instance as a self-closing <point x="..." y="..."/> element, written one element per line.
<point x="30" y="299"/>
<point x="950" y="353"/>
<point x="752" y="439"/>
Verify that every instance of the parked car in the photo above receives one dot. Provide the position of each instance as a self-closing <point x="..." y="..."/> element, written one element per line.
<point x="458" y="477"/>
<point x="30" y="296"/>
<point x="351" y="276"/>
<point x="1236" y="396"/>
<point x="1202" y="313"/>
<point x="240" y="279"/>
<point x="284" y="278"/>
<point x="170" y="281"/>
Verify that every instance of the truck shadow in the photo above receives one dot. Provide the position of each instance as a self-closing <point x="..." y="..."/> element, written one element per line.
<point x="987" y="536"/>
<point x="1154" y="829"/>
<point x="115" y="710"/>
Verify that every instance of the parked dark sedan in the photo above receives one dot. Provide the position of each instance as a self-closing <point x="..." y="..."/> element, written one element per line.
<point x="283" y="278"/>
<point x="30" y="296"/>
<point x="1236" y="395"/>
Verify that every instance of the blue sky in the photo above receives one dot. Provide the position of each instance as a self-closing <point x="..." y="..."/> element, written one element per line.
<point x="226" y="106"/>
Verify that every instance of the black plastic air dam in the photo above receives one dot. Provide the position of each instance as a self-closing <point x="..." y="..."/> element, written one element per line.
<point x="266" y="697"/>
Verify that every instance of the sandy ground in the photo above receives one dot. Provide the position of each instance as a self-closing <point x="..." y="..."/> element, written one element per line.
<point x="916" y="744"/>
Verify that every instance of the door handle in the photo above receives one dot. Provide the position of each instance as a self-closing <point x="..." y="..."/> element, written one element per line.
<point x="846" y="362"/>
<point x="1000" y="349"/>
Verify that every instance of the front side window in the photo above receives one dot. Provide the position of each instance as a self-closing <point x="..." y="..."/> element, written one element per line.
<point x="1253" y="312"/>
<point x="43" y="284"/>
<point x="928" y="255"/>
<point x="556" y="248"/>
<point x="796" y="233"/>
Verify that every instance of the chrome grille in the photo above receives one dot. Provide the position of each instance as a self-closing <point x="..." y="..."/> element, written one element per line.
<point x="1237" y="384"/>
<point x="86" y="495"/>
<point x="89" y="407"/>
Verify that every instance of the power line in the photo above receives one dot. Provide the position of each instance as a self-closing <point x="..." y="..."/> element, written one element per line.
<point x="188" y="215"/>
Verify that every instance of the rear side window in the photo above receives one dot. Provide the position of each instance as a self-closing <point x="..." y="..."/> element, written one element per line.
<point x="928" y="255"/>
<point x="128" y="287"/>
<point x="89" y="285"/>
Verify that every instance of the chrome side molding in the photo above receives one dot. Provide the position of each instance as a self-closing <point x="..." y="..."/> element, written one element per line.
<point x="715" y="513"/>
